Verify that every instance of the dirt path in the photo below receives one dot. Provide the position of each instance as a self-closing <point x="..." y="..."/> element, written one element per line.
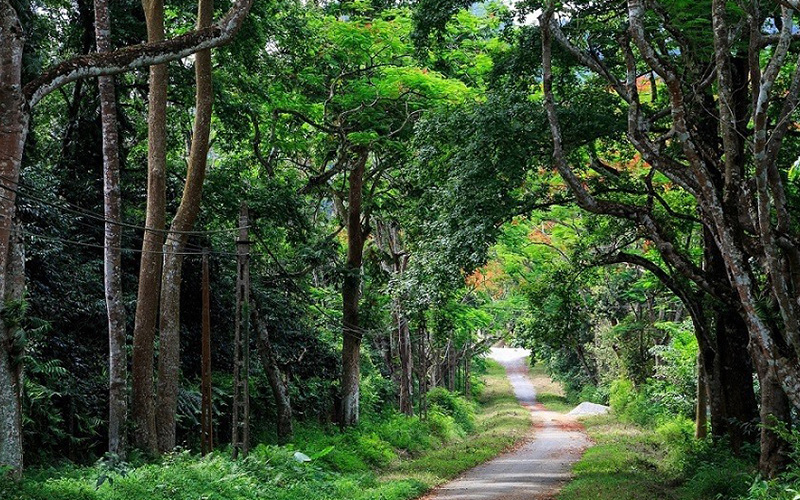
<point x="536" y="469"/>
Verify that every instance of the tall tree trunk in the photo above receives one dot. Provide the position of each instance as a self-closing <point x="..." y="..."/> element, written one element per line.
<point x="11" y="452"/>
<point x="169" y="353"/>
<point x="729" y="372"/>
<point x="351" y="293"/>
<point x="388" y="239"/>
<point x="112" y="258"/>
<point x="280" y="391"/>
<point x="144" y="330"/>
<point x="729" y="375"/>
<point x="14" y="120"/>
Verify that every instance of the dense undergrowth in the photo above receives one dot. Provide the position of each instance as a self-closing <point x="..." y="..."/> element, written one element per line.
<point x="386" y="457"/>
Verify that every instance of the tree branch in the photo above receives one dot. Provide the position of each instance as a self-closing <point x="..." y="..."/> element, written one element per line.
<point x="137" y="56"/>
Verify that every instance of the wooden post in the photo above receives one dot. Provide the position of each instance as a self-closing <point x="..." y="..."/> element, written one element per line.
<point x="241" y="355"/>
<point x="205" y="409"/>
<point x="701" y="407"/>
<point x="467" y="362"/>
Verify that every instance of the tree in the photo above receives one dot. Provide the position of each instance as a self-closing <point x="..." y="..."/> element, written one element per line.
<point x="144" y="327"/>
<point x="16" y="102"/>
<point x="177" y="236"/>
<point x="361" y="102"/>
<point x="112" y="261"/>
<point x="727" y="160"/>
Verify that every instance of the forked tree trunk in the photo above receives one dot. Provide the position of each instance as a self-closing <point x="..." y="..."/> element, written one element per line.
<point x="144" y="329"/>
<point x="169" y="353"/>
<point x="351" y="293"/>
<point x="280" y="391"/>
<point x="112" y="258"/>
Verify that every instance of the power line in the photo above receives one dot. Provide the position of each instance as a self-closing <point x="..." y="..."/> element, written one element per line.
<point x="197" y="251"/>
<point x="78" y="210"/>
<point x="99" y="246"/>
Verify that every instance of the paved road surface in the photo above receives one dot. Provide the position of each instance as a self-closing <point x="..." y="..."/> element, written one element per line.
<point x="535" y="470"/>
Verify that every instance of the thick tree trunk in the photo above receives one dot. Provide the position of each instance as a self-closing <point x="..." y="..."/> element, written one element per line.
<point x="729" y="374"/>
<point x="351" y="293"/>
<point x="169" y="353"/>
<point x="11" y="452"/>
<point x="729" y="370"/>
<point x="776" y="410"/>
<point x="14" y="120"/>
<point x="144" y="330"/>
<point x="280" y="391"/>
<point x="112" y="258"/>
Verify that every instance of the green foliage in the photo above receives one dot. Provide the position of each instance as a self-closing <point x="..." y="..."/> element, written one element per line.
<point x="453" y="405"/>
<point x="631" y="462"/>
<point x="394" y="458"/>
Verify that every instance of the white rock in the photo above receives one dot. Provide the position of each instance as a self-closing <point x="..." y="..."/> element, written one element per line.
<point x="587" y="408"/>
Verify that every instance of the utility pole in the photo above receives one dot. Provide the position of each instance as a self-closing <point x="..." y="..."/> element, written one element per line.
<point x="205" y="408"/>
<point x="241" y="349"/>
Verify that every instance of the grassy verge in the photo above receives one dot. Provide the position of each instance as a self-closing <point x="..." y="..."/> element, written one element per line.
<point x="391" y="458"/>
<point x="501" y="422"/>
<point x="548" y="392"/>
<point x="630" y="462"/>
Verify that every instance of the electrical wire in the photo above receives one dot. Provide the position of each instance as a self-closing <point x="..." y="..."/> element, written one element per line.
<point x="78" y="210"/>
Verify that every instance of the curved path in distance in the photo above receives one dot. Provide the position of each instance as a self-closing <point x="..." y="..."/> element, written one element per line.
<point x="538" y="468"/>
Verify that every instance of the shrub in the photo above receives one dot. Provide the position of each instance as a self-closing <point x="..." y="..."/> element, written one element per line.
<point x="405" y="433"/>
<point x="374" y="451"/>
<point x="443" y="426"/>
<point x="455" y="406"/>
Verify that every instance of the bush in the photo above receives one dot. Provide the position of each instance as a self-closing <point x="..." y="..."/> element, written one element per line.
<point x="443" y="426"/>
<point x="453" y="405"/>
<point x="677" y="437"/>
<point x="405" y="433"/>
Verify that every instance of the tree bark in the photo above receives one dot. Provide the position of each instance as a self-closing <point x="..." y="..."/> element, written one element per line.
<point x="701" y="406"/>
<point x="351" y="294"/>
<point x="388" y="239"/>
<point x="169" y="354"/>
<point x="280" y="390"/>
<point x="112" y="257"/>
<point x="14" y="119"/>
<point x="776" y="410"/>
<point x="11" y="452"/>
<point x="144" y="330"/>
<point x="406" y="366"/>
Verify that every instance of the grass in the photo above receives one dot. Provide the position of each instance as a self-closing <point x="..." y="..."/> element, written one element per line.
<point x="394" y="458"/>
<point x="622" y="465"/>
<point x="501" y="422"/>
<point x="630" y="462"/>
<point x="548" y="392"/>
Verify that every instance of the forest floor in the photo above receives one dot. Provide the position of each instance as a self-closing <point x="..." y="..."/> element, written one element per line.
<point x="539" y="467"/>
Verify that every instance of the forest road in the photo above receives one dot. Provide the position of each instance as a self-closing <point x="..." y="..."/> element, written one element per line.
<point x="540" y="466"/>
